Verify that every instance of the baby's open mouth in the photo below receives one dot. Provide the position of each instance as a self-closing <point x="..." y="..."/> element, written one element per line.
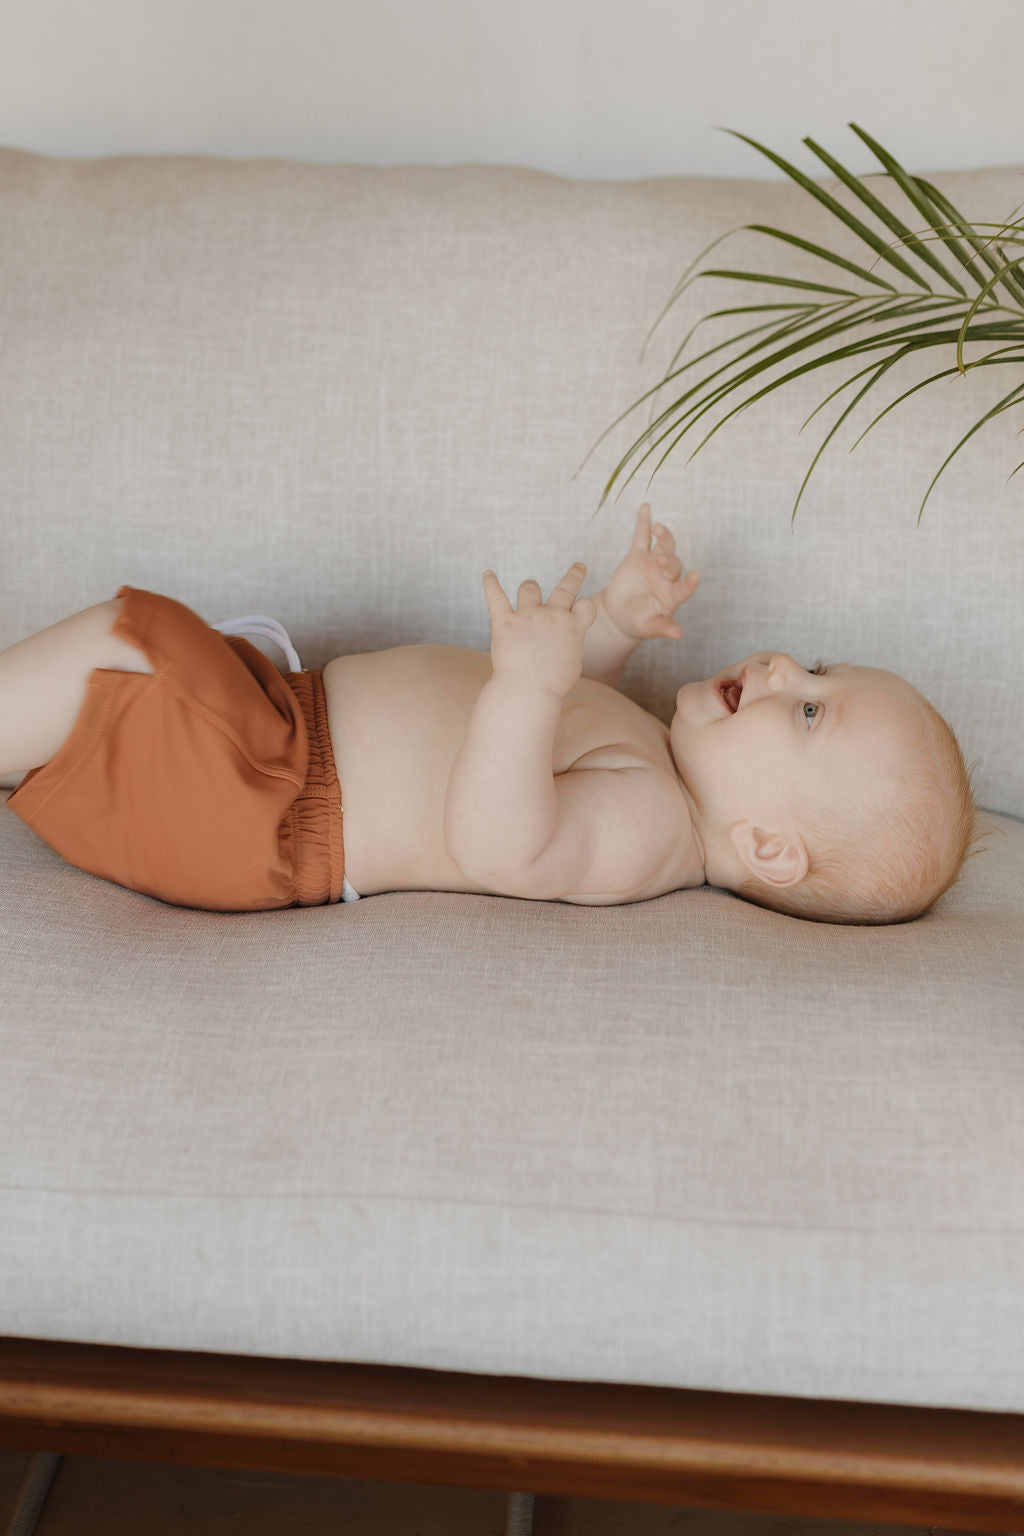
<point x="730" y="691"/>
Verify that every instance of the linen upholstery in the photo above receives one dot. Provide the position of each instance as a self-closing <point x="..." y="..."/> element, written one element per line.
<point x="684" y="1142"/>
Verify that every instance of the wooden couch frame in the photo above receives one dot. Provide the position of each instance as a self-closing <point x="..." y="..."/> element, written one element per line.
<point x="718" y="1450"/>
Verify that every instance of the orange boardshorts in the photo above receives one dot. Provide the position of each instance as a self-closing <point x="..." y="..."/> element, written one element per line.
<point x="210" y="783"/>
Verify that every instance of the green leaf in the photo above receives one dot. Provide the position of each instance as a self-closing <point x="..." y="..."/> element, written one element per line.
<point x="743" y="309"/>
<point x="879" y="209"/>
<point x="969" y="316"/>
<point x="820" y="251"/>
<point x="787" y="328"/>
<point x="682" y="284"/>
<point x="850" y="326"/>
<point x="781" y="282"/>
<point x="838" y="391"/>
<point x="702" y="407"/>
<point x="822" y="334"/>
<point x="909" y="339"/>
<point x="1014" y="289"/>
<point x="802" y="314"/>
<point x="666" y="379"/>
<point x="862" y="230"/>
<point x="944" y="373"/>
<point x="858" y="397"/>
<point x="668" y="411"/>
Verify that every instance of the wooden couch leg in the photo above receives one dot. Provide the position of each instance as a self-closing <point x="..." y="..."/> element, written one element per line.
<point x="33" y="1493"/>
<point x="519" y="1519"/>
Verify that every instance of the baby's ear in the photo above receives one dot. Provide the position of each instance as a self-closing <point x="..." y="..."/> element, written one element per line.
<point x="778" y="858"/>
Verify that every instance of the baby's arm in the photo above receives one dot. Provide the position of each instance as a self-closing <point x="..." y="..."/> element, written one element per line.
<point x="638" y="603"/>
<point x="502" y="806"/>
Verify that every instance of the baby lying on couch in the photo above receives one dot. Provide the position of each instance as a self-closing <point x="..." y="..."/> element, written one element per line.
<point x="177" y="760"/>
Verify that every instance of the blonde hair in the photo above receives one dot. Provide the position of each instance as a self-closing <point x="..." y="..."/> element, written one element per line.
<point x="905" y="845"/>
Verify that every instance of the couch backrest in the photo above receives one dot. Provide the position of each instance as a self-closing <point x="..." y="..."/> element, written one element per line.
<point x="337" y="393"/>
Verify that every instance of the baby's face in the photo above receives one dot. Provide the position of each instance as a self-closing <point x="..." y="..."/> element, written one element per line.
<point x="768" y="738"/>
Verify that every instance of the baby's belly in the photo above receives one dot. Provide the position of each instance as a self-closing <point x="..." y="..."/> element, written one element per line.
<point x="397" y="719"/>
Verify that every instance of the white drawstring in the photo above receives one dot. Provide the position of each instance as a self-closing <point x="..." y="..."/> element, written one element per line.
<point x="267" y="629"/>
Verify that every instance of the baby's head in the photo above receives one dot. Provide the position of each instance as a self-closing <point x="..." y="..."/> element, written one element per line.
<point x="834" y="793"/>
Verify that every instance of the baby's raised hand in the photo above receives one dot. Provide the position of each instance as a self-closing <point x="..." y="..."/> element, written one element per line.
<point x="648" y="586"/>
<point x="540" y="643"/>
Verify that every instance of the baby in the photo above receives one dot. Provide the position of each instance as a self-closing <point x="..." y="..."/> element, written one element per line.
<point x="180" y="762"/>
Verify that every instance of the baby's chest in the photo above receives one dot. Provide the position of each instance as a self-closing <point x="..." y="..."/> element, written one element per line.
<point x="602" y="728"/>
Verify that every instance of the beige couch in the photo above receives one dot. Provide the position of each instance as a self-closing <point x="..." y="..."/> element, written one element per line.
<point x="662" y="1165"/>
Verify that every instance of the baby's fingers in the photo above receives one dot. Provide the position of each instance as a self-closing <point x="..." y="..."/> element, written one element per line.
<point x="565" y="593"/>
<point x="664" y="539"/>
<point x="665" y="557"/>
<point x="494" y="592"/>
<point x="667" y="628"/>
<point x="585" y="612"/>
<point x="642" y="532"/>
<point x="670" y="566"/>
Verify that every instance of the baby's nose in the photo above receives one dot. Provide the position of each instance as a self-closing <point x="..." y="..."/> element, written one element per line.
<point x="781" y="669"/>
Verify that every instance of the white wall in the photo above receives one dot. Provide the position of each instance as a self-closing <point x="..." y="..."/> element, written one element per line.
<point x="604" y="88"/>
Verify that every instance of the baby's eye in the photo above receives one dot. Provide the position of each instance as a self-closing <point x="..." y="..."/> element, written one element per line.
<point x="812" y="711"/>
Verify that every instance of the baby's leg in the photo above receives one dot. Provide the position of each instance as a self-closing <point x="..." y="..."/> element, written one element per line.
<point x="43" y="683"/>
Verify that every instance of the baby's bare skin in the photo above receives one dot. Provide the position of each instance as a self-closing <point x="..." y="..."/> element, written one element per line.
<point x="398" y="719"/>
<point x="522" y="772"/>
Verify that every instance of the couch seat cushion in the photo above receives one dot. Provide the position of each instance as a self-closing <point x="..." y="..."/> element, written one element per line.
<point x="685" y="1142"/>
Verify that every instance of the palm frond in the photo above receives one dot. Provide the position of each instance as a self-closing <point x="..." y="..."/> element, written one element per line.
<point x="969" y="316"/>
<point x="879" y="209"/>
<point x="859" y="228"/>
<point x="980" y="247"/>
<point x="874" y="323"/>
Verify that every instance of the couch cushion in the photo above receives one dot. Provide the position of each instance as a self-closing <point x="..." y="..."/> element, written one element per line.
<point x="684" y="1142"/>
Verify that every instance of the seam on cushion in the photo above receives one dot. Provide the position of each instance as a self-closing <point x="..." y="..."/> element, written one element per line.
<point x="617" y="1212"/>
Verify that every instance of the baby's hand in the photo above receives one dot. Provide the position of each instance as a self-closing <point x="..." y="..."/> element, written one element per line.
<point x="648" y="586"/>
<point x="540" y="643"/>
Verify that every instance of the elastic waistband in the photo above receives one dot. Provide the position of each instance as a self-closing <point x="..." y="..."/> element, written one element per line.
<point x="315" y="816"/>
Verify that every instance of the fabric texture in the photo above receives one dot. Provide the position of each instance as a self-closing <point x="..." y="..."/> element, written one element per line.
<point x="209" y="783"/>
